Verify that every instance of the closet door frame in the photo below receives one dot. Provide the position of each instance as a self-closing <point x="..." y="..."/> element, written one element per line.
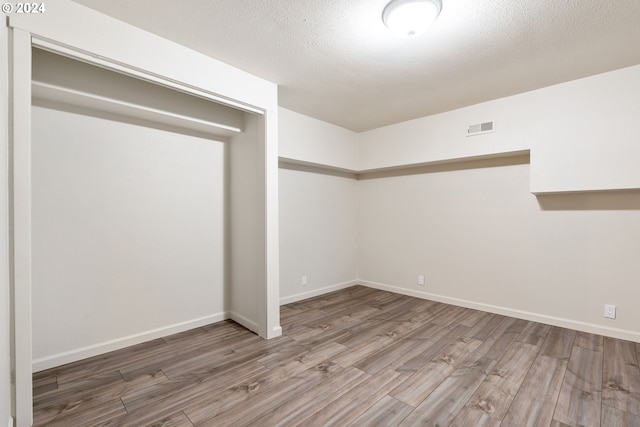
<point x="21" y="43"/>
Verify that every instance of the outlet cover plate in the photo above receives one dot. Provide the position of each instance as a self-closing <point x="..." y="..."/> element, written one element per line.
<point x="610" y="311"/>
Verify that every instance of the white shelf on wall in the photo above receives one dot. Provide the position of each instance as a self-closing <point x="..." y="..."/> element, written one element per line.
<point x="55" y="93"/>
<point x="469" y="162"/>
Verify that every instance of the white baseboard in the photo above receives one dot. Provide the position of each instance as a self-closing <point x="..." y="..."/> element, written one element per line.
<point x="244" y="321"/>
<point x="519" y="314"/>
<point x="316" y="292"/>
<point x="277" y="331"/>
<point x="82" y="353"/>
<point x="10" y="423"/>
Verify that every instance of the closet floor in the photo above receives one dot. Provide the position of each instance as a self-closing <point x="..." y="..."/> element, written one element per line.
<point x="360" y="357"/>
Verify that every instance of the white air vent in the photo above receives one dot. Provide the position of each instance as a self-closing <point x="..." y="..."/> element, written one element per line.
<point x="480" y="128"/>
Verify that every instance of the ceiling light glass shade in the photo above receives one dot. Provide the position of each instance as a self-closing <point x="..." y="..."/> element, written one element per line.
<point x="409" y="18"/>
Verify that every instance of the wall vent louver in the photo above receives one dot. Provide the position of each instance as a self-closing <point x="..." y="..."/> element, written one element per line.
<point x="481" y="128"/>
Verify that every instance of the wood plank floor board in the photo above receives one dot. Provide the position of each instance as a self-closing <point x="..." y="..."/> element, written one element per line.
<point x="436" y="309"/>
<point x="391" y="329"/>
<point x="44" y="385"/>
<point x="494" y="396"/>
<point x="419" y="385"/>
<point x="387" y="304"/>
<point x="612" y="417"/>
<point x="471" y="318"/>
<point x="281" y="356"/>
<point x="447" y="315"/>
<point x="621" y="376"/>
<point x="91" y="397"/>
<point x="79" y="414"/>
<point x="357" y="356"/>
<point x="344" y="309"/>
<point x="173" y="393"/>
<point x="311" y="361"/>
<point x="433" y="332"/>
<point x="362" y="346"/>
<point x="158" y="404"/>
<point x="360" y="399"/>
<point x="580" y="399"/>
<point x="536" y="399"/>
<point x="178" y="419"/>
<point x="416" y="316"/>
<point x="398" y="352"/>
<point x="398" y="310"/>
<point x="77" y="371"/>
<point x="558" y="343"/>
<point x="431" y="349"/>
<point x="421" y="312"/>
<point x="258" y="402"/>
<point x="228" y="356"/>
<point x="387" y="412"/>
<point x="343" y="319"/>
<point x="70" y="373"/>
<point x="313" y="400"/>
<point x="300" y="372"/>
<point x="444" y="403"/>
<point x="79" y="389"/>
<point x="502" y="337"/>
<point x="302" y="316"/>
<point x="591" y="341"/>
<point x="176" y="354"/>
<point x="304" y="337"/>
<point x="534" y="333"/>
<point x="469" y="417"/>
<point x="355" y="294"/>
<point x="213" y="332"/>
<point x="484" y="329"/>
<point x="345" y="326"/>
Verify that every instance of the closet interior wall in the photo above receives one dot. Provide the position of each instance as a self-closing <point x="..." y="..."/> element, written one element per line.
<point x="131" y="205"/>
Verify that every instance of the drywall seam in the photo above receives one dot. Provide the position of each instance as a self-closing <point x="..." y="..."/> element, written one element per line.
<point x="120" y="343"/>
<point x="519" y="314"/>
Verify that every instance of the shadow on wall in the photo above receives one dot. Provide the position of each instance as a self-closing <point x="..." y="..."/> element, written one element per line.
<point x="622" y="200"/>
<point x="447" y="166"/>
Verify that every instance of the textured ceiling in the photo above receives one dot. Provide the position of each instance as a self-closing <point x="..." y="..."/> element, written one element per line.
<point x="335" y="60"/>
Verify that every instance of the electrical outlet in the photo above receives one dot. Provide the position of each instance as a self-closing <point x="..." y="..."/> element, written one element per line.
<point x="304" y="281"/>
<point x="610" y="311"/>
<point x="421" y="280"/>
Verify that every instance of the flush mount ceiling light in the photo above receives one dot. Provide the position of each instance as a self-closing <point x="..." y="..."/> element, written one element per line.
<point x="410" y="18"/>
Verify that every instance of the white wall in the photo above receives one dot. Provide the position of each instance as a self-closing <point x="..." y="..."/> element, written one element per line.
<point x="246" y="221"/>
<point x="483" y="240"/>
<point x="303" y="138"/>
<point x="587" y="138"/>
<point x="581" y="134"/>
<point x="479" y="235"/>
<point x="317" y="233"/>
<point x="128" y="234"/>
<point x="317" y="206"/>
<point x="442" y="137"/>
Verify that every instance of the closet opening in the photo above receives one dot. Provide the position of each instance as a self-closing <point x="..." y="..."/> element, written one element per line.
<point x="146" y="211"/>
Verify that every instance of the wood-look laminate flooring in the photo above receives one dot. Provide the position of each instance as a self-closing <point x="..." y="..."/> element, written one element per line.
<point x="355" y="357"/>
